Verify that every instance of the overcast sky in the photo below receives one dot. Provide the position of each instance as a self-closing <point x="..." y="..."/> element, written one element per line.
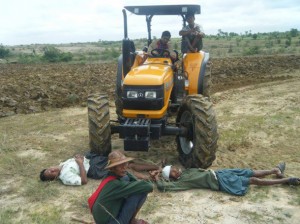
<point x="66" y="21"/>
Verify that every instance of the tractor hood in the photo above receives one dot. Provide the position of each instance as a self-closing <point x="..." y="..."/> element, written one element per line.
<point x="149" y="74"/>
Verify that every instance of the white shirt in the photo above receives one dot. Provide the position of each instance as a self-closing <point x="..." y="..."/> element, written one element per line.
<point x="70" y="173"/>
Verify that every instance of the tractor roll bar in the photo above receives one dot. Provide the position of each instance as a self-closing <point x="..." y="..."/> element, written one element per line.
<point x="125" y="24"/>
<point x="148" y="20"/>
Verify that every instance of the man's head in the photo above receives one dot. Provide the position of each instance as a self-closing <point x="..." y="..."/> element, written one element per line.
<point x="165" y="36"/>
<point x="190" y="18"/>
<point x="118" y="163"/>
<point x="171" y="172"/>
<point x="50" y="174"/>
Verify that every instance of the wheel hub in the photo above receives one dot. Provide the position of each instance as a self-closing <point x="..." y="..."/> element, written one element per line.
<point x="187" y="142"/>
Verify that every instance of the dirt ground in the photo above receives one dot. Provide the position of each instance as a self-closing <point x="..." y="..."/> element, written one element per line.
<point x="257" y="104"/>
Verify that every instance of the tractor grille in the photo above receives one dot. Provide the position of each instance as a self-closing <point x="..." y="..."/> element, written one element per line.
<point x="142" y="103"/>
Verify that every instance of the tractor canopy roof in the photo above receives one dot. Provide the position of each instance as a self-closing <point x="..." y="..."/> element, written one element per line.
<point x="151" y="10"/>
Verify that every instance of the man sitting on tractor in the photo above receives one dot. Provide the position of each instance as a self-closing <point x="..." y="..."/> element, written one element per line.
<point x="162" y="47"/>
<point x="192" y="35"/>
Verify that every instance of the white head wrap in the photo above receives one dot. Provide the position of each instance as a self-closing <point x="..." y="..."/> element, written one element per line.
<point x="166" y="172"/>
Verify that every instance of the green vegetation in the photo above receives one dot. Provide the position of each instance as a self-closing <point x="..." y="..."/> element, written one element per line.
<point x="52" y="54"/>
<point x="224" y="44"/>
<point x="4" y="52"/>
<point x="35" y="190"/>
<point x="50" y="215"/>
<point x="7" y="215"/>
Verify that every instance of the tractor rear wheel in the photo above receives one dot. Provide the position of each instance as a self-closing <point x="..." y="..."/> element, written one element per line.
<point x="99" y="126"/>
<point x="199" y="147"/>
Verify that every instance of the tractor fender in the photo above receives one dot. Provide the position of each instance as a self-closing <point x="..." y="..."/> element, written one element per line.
<point x="202" y="73"/>
<point x="194" y="67"/>
<point x="119" y="76"/>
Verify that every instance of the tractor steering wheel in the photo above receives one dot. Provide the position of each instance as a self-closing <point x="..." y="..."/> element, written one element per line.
<point x="160" y="53"/>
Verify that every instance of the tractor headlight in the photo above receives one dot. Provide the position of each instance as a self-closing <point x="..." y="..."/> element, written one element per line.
<point x="132" y="94"/>
<point x="150" y="95"/>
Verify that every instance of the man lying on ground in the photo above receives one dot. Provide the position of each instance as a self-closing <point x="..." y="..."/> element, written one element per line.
<point x="120" y="195"/>
<point x="75" y="171"/>
<point x="232" y="181"/>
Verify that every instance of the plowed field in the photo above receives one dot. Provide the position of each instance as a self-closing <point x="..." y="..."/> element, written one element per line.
<point x="35" y="88"/>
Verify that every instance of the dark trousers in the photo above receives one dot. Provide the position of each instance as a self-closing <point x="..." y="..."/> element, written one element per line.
<point x="97" y="165"/>
<point x="129" y="208"/>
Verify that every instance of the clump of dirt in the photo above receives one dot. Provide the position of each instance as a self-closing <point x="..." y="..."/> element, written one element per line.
<point x="35" y="88"/>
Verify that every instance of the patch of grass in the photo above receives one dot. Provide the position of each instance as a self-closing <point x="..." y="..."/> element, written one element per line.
<point x="13" y="164"/>
<point x="288" y="215"/>
<point x="48" y="215"/>
<point x="80" y="201"/>
<point x="7" y="216"/>
<point x="159" y="219"/>
<point x="3" y="143"/>
<point x="150" y="205"/>
<point x="237" y="136"/>
<point x="296" y="196"/>
<point x="36" y="190"/>
<point x="197" y="194"/>
<point x="250" y="216"/>
<point x="258" y="194"/>
<point x="214" y="217"/>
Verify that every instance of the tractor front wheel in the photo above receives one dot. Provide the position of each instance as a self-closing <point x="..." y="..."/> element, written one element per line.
<point x="199" y="146"/>
<point x="99" y="125"/>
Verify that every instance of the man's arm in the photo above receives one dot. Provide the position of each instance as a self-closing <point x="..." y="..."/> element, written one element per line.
<point x="79" y="160"/>
<point x="152" y="46"/>
<point x="167" y="185"/>
<point x="197" y="31"/>
<point x="185" y="32"/>
<point x="173" y="55"/>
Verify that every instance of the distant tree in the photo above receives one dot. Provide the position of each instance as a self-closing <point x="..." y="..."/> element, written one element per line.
<point x="278" y="41"/>
<point x="65" y="57"/>
<point x="230" y="50"/>
<point x="294" y="32"/>
<point x="269" y="44"/>
<point x="175" y="46"/>
<point x="53" y="54"/>
<point x="222" y="33"/>
<point x="3" y="51"/>
<point x="238" y="40"/>
<point x="274" y="35"/>
<point x="252" y="50"/>
<point x="288" y="42"/>
<point x="254" y="36"/>
<point x="232" y="34"/>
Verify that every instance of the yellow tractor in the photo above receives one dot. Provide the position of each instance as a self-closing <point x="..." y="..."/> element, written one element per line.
<point x="149" y="91"/>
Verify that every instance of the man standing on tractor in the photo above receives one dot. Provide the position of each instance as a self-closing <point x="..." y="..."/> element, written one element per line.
<point x="162" y="44"/>
<point x="192" y="35"/>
